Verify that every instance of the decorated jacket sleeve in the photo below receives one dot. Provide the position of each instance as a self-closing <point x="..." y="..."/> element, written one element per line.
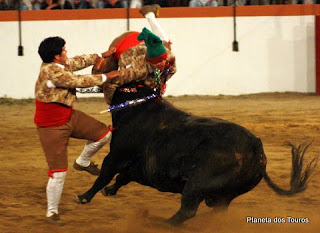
<point x="81" y="62"/>
<point x="108" y="91"/>
<point x="133" y="68"/>
<point x="172" y="69"/>
<point x="66" y="79"/>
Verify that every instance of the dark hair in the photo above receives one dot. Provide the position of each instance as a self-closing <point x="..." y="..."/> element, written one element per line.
<point x="50" y="47"/>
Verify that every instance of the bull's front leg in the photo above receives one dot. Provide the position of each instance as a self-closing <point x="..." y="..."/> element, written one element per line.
<point x="121" y="180"/>
<point x="108" y="171"/>
<point x="133" y="172"/>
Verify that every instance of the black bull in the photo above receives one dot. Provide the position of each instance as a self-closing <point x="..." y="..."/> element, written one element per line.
<point x="208" y="159"/>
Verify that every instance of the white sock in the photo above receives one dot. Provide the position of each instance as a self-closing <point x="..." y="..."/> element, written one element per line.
<point x="155" y="26"/>
<point x="90" y="149"/>
<point x="54" y="191"/>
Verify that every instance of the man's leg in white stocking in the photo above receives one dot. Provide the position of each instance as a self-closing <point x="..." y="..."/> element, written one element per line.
<point x="54" y="191"/>
<point x="90" y="149"/>
<point x="155" y="26"/>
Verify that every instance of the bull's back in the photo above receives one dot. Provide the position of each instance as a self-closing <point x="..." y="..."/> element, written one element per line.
<point x="191" y="144"/>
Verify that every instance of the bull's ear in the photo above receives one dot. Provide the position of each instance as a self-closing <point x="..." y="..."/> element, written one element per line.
<point x="110" y="65"/>
<point x="98" y="67"/>
<point x="104" y="65"/>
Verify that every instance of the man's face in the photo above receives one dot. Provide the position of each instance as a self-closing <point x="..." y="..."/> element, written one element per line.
<point x="160" y="65"/>
<point x="61" y="58"/>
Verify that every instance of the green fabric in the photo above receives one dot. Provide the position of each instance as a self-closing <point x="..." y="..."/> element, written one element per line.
<point x="154" y="44"/>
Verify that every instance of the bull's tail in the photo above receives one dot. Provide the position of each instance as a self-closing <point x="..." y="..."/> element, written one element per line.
<point x="299" y="178"/>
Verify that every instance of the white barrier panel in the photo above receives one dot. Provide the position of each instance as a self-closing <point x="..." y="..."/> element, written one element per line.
<point x="277" y="53"/>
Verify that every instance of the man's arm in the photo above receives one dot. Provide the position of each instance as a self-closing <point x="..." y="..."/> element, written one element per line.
<point x="81" y="62"/>
<point x="65" y="79"/>
<point x="171" y="69"/>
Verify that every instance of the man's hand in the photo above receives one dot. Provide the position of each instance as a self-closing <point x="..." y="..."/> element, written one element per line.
<point x="111" y="51"/>
<point x="114" y="77"/>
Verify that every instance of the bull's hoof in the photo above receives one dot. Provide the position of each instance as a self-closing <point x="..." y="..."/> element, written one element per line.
<point x="173" y="222"/>
<point x="80" y="199"/>
<point x="108" y="191"/>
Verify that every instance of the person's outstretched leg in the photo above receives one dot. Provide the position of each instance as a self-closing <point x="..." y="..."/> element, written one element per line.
<point x="83" y="162"/>
<point x="97" y="135"/>
<point x="151" y="12"/>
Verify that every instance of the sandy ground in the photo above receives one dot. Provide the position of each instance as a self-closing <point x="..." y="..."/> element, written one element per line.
<point x="275" y="118"/>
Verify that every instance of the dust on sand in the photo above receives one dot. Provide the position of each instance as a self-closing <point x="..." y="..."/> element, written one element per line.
<point x="274" y="117"/>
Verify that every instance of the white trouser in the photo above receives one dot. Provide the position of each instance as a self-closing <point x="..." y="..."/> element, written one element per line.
<point x="54" y="191"/>
<point x="155" y="26"/>
<point x="90" y="149"/>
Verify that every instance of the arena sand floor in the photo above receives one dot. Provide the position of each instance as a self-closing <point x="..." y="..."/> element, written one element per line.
<point x="276" y="118"/>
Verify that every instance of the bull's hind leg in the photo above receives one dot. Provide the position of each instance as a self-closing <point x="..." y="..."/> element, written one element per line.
<point x="108" y="171"/>
<point x="190" y="200"/>
<point x="220" y="204"/>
